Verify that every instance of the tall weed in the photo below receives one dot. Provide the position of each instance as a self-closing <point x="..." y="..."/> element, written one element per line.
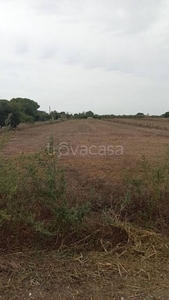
<point x="33" y="200"/>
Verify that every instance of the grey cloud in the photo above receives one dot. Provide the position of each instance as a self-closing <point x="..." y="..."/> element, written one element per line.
<point x="60" y="7"/>
<point x="80" y="51"/>
<point x="120" y="16"/>
<point x="22" y="48"/>
<point x="47" y="7"/>
<point x="49" y="51"/>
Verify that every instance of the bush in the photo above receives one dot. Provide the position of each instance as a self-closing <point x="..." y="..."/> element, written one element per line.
<point x="166" y="115"/>
<point x="33" y="205"/>
<point x="144" y="196"/>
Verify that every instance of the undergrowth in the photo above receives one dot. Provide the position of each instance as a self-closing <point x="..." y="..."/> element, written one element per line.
<point x="33" y="206"/>
<point x="142" y="197"/>
<point x="35" y="210"/>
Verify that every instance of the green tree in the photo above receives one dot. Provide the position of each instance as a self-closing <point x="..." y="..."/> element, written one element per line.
<point x="89" y="114"/>
<point x="4" y="111"/>
<point x="13" y="119"/>
<point x="139" y="115"/>
<point x="9" y="114"/>
<point x="55" y="115"/>
<point x="42" y="116"/>
<point x="166" y="115"/>
<point x="26" y="107"/>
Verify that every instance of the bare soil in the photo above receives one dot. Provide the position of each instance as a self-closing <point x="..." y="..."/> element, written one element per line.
<point x="138" y="271"/>
<point x="136" y="142"/>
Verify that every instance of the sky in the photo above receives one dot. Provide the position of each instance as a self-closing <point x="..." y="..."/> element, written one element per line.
<point x="108" y="56"/>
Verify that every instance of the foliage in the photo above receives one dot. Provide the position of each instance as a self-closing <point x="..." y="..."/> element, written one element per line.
<point x="24" y="118"/>
<point x="140" y="115"/>
<point x="144" y="196"/>
<point x="84" y="115"/>
<point x="4" y="111"/>
<point x="19" y="110"/>
<point x="42" y="116"/>
<point x="13" y="119"/>
<point x="9" y="115"/>
<point x="27" y="106"/>
<point x="55" y="115"/>
<point x="166" y="115"/>
<point x="32" y="199"/>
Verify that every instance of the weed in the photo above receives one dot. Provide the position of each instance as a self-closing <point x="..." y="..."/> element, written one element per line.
<point x="4" y="137"/>
<point x="145" y="195"/>
<point x="32" y="200"/>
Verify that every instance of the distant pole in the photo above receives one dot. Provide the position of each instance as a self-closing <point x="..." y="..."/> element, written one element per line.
<point x="49" y="109"/>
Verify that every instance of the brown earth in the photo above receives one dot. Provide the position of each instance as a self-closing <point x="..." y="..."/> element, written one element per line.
<point x="139" y="271"/>
<point x="81" y="135"/>
<point x="93" y="174"/>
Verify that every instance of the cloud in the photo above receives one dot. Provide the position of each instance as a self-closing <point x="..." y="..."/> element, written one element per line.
<point x="117" y="15"/>
<point x="21" y="48"/>
<point x="57" y="47"/>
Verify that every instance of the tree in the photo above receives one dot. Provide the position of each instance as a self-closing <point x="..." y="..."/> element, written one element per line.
<point x="166" y="115"/>
<point x="84" y="115"/>
<point x="4" y="111"/>
<point x="89" y="114"/>
<point x="139" y="115"/>
<point x="42" y="116"/>
<point x="25" y="106"/>
<point x="9" y="114"/>
<point x="55" y="115"/>
<point x="12" y="120"/>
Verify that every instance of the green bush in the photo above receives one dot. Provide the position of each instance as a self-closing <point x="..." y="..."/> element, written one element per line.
<point x="32" y="199"/>
<point x="145" y="194"/>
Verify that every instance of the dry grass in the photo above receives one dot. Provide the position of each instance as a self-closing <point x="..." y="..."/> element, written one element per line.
<point x="154" y="123"/>
<point x="23" y="126"/>
<point x="4" y="138"/>
<point x="138" y="270"/>
<point x="120" y="261"/>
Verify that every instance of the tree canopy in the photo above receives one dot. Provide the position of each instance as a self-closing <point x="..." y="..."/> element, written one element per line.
<point x="19" y="110"/>
<point x="166" y="115"/>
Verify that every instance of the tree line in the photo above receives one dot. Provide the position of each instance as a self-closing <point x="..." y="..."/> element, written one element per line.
<point x="24" y="110"/>
<point x="20" y="110"/>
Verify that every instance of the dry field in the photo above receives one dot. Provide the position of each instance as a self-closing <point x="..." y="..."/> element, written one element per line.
<point x="86" y="171"/>
<point x="138" y="270"/>
<point x="136" y="142"/>
<point x="95" y="173"/>
<point x="156" y="123"/>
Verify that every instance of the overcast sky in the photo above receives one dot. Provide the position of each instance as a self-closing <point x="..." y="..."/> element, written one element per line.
<point x="108" y="56"/>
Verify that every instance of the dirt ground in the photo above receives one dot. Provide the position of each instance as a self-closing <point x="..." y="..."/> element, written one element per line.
<point x="86" y="143"/>
<point x="133" y="273"/>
